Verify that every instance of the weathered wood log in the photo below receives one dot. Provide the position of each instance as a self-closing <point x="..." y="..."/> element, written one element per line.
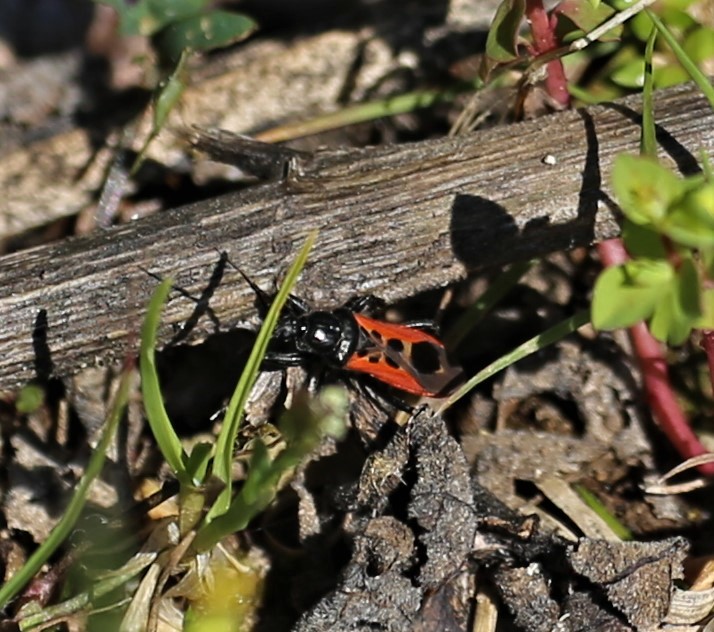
<point x="393" y="221"/>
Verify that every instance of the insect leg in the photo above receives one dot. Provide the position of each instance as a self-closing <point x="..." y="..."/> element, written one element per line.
<point x="368" y="303"/>
<point x="314" y="379"/>
<point x="429" y="326"/>
<point x="284" y="359"/>
<point x="396" y="401"/>
<point x="379" y="397"/>
<point x="298" y="305"/>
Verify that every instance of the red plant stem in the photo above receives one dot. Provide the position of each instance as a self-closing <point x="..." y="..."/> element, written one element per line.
<point x="544" y="41"/>
<point x="658" y="388"/>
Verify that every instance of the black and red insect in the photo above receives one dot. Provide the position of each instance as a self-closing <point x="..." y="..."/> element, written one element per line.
<point x="405" y="357"/>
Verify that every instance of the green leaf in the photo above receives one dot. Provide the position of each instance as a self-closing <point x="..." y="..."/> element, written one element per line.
<point x="166" y="96"/>
<point x="670" y="75"/>
<point x="203" y="32"/>
<point x="501" y="42"/>
<point x="678" y="307"/>
<point x="642" y="241"/>
<point x="631" y="74"/>
<point x="688" y="288"/>
<point x="259" y="489"/>
<point x="626" y="294"/>
<point x="198" y="460"/>
<point x="643" y="188"/>
<point x="699" y="44"/>
<point x="303" y="426"/>
<point x="169" y="93"/>
<point x="676" y="18"/>
<point x="147" y="17"/>
<point x="131" y="16"/>
<point x="668" y="324"/>
<point x="168" y="11"/>
<point x="706" y="258"/>
<point x="192" y="498"/>
<point x="661" y="321"/>
<point x="690" y="221"/>
<point x="586" y="16"/>
<point x="640" y="26"/>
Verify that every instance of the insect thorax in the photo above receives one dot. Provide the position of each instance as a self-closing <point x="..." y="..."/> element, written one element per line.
<point x="332" y="336"/>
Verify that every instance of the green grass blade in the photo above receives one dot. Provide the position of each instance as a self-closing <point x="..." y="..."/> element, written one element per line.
<point x="226" y="439"/>
<point x="390" y="106"/>
<point x="697" y="75"/>
<point x="74" y="508"/>
<point x="158" y="419"/>
<point x="648" y="140"/>
<point x="592" y="501"/>
<point x="536" y="343"/>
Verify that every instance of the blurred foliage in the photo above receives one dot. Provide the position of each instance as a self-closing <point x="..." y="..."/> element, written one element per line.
<point x="669" y="232"/>
<point x="620" y="69"/>
<point x="177" y="25"/>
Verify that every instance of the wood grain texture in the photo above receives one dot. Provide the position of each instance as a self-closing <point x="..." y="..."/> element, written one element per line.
<point x="393" y="221"/>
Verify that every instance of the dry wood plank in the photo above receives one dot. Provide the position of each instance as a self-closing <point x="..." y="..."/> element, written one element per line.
<point x="393" y="221"/>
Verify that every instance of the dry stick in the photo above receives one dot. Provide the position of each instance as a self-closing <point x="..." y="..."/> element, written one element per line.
<point x="393" y="221"/>
<point x="609" y="24"/>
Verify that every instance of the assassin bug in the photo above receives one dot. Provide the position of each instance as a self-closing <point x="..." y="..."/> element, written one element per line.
<point x="405" y="357"/>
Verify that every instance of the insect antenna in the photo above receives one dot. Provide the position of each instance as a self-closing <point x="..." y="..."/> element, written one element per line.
<point x="262" y="296"/>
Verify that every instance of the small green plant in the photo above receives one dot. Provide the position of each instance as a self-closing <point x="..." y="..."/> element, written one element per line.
<point x="615" y="33"/>
<point x="177" y="28"/>
<point x="552" y="30"/>
<point x="661" y="270"/>
<point x="626" y="68"/>
<point x="669" y="232"/>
